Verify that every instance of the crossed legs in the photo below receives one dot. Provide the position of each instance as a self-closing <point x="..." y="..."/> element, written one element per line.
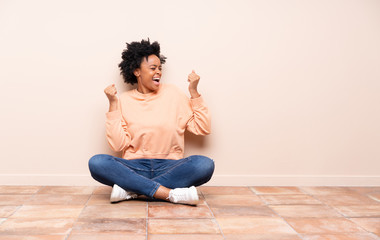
<point x="154" y="178"/>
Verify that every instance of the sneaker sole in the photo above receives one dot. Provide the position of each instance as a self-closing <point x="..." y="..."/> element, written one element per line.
<point x="195" y="192"/>
<point x="115" y="199"/>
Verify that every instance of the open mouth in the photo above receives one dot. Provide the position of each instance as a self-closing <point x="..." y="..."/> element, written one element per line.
<point x="156" y="81"/>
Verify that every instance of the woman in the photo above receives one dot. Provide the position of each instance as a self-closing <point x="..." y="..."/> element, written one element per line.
<point x="147" y="125"/>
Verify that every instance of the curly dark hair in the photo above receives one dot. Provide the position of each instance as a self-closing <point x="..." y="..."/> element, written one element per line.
<point x="133" y="55"/>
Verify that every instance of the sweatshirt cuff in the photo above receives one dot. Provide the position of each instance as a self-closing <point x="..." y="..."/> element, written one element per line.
<point x="197" y="102"/>
<point x="113" y="115"/>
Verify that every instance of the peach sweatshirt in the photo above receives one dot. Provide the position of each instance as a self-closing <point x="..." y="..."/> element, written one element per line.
<point x="152" y="125"/>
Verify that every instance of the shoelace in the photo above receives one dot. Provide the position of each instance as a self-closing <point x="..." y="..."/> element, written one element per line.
<point x="181" y="195"/>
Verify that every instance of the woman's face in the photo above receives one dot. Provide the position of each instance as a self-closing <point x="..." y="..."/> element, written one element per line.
<point x="149" y="74"/>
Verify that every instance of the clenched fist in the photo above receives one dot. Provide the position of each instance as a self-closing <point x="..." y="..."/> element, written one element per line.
<point x="111" y="92"/>
<point x="193" y="79"/>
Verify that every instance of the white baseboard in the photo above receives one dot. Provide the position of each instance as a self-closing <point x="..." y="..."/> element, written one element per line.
<point x="48" y="179"/>
<point x="294" y="180"/>
<point x="217" y="180"/>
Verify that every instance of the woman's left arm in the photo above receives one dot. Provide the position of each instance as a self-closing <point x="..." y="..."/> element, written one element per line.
<point x="200" y="122"/>
<point x="193" y="79"/>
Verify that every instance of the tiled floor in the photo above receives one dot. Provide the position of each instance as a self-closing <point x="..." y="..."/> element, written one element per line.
<point x="241" y="213"/>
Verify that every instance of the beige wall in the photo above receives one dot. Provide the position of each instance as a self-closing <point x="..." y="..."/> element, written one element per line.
<point x="293" y="86"/>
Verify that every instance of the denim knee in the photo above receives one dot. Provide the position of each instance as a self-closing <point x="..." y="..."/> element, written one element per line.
<point x="203" y="164"/>
<point x="97" y="161"/>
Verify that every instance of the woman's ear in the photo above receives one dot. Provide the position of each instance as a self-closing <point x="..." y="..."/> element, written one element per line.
<point x="137" y="72"/>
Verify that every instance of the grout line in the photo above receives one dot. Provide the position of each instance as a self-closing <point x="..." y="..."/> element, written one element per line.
<point x="76" y="220"/>
<point x="18" y="207"/>
<point x="372" y="197"/>
<point x="41" y="187"/>
<point x="365" y="230"/>
<point x="324" y="203"/>
<point x="266" y="203"/>
<point x="298" y="234"/>
<point x="89" y="197"/>
<point x="268" y="206"/>
<point x="339" y="212"/>
<point x="252" y="190"/>
<point x="146" y="220"/>
<point x="2" y="220"/>
<point x="213" y="216"/>
<point x="36" y="193"/>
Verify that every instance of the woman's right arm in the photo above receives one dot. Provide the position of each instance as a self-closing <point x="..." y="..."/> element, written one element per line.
<point x="117" y="133"/>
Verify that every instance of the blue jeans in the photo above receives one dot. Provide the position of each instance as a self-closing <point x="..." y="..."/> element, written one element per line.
<point x="145" y="176"/>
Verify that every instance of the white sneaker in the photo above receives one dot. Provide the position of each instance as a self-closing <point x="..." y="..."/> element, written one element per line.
<point x="118" y="194"/>
<point x="184" y="195"/>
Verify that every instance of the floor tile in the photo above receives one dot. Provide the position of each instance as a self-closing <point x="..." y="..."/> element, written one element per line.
<point x="6" y="211"/>
<point x="166" y="203"/>
<point x="99" y="199"/>
<point x="48" y="211"/>
<point x="21" y="226"/>
<point x="14" y="199"/>
<point x="254" y="225"/>
<point x="106" y="236"/>
<point x="233" y="200"/>
<point x="346" y="199"/>
<point x="125" y="226"/>
<point x="23" y="190"/>
<point x="81" y="190"/>
<point x="366" y="190"/>
<point x="104" y="199"/>
<point x="267" y="236"/>
<point x="277" y="190"/>
<point x="179" y="211"/>
<point x="328" y="190"/>
<point x="114" y="211"/>
<point x="375" y="196"/>
<point x="289" y="199"/>
<point x="185" y="237"/>
<point x="370" y="224"/>
<point x="359" y="211"/>
<point x="57" y="199"/>
<point x="226" y="190"/>
<point x="35" y="237"/>
<point x="183" y="226"/>
<point x="323" y="225"/>
<point x="347" y="236"/>
<point x="297" y="211"/>
<point x="254" y="213"/>
<point x="102" y="190"/>
<point x="234" y="211"/>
